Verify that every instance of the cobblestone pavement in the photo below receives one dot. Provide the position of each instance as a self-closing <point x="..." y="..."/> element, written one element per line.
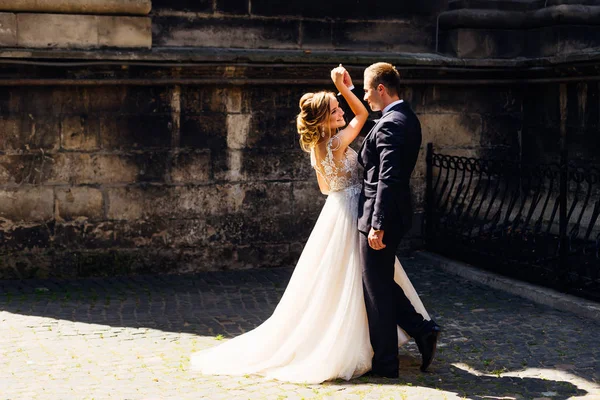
<point x="130" y="338"/>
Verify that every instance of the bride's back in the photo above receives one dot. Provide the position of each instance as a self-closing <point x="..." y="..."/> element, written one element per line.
<point x="336" y="167"/>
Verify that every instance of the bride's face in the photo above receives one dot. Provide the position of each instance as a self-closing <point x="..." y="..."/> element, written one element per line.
<point x="336" y="115"/>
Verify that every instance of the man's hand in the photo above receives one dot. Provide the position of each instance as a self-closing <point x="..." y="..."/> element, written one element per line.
<point x="347" y="79"/>
<point x="375" y="239"/>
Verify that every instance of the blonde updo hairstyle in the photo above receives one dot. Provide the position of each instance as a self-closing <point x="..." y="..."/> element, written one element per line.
<point x="314" y="114"/>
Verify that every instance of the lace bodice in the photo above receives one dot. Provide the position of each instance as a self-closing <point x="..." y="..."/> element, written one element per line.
<point x="339" y="174"/>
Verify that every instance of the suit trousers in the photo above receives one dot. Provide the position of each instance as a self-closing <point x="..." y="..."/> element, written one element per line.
<point x="386" y="304"/>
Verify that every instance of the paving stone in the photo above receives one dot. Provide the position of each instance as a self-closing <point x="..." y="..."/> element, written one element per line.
<point x="131" y="338"/>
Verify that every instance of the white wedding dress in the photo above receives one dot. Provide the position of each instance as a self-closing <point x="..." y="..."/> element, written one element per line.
<point x="319" y="330"/>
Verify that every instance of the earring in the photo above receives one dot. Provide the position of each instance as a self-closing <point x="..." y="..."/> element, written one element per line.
<point x="323" y="132"/>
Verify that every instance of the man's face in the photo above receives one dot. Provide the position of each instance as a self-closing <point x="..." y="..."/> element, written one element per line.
<point x="372" y="96"/>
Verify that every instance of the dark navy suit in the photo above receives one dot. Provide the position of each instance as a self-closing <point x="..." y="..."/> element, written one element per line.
<point x="388" y="155"/>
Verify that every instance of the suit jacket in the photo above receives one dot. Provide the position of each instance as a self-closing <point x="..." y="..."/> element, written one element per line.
<point x="388" y="155"/>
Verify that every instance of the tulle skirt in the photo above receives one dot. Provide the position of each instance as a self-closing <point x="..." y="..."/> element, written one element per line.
<point x="319" y="330"/>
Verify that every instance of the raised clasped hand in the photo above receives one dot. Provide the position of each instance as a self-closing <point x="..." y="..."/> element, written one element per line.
<point x="337" y="75"/>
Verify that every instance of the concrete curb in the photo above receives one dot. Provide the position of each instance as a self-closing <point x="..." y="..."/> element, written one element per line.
<point x="581" y="307"/>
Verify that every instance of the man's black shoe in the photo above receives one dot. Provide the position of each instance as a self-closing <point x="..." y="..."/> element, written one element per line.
<point x="427" y="344"/>
<point x="382" y="374"/>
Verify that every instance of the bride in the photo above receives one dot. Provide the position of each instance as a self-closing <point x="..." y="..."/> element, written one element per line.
<point x="319" y="329"/>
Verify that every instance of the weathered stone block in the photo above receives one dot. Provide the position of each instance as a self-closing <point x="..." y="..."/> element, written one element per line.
<point x="203" y="6"/>
<point x="130" y="203"/>
<point x="200" y="100"/>
<point x="141" y="7"/>
<point x="502" y="130"/>
<point x="85" y="234"/>
<point x="135" y="131"/>
<point x="268" y="255"/>
<point x="86" y="168"/>
<point x="205" y="132"/>
<point x="261" y="165"/>
<point x="233" y="6"/>
<point x="282" y="99"/>
<point x="238" y="126"/>
<point x="181" y="233"/>
<point x="79" y="133"/>
<point x="390" y="36"/>
<point x="229" y="229"/>
<point x="341" y="9"/>
<point x="27" y="204"/>
<point x="451" y="130"/>
<point x="268" y="198"/>
<point x="226" y="32"/>
<point x="29" y="132"/>
<point x="317" y="34"/>
<point x="82" y="31"/>
<point x="141" y="100"/>
<point x="308" y="202"/>
<point x="144" y="202"/>
<point x="57" y="30"/>
<point x="109" y="99"/>
<point x="542" y="108"/>
<point x="420" y="170"/>
<point x="26" y="168"/>
<point x="79" y="202"/>
<point x="124" y="32"/>
<point x="191" y="167"/>
<point x="456" y="99"/>
<point x="8" y="30"/>
<point x="272" y="229"/>
<point x="273" y="131"/>
<point x="20" y="238"/>
<point x="479" y="43"/>
<point x="45" y="101"/>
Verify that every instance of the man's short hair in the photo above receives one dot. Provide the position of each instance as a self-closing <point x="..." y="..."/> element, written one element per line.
<point x="385" y="74"/>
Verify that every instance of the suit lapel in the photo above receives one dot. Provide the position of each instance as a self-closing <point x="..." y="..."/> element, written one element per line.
<point x="397" y="107"/>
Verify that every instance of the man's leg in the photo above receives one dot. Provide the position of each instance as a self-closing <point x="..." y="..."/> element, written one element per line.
<point x="407" y="318"/>
<point x="379" y="290"/>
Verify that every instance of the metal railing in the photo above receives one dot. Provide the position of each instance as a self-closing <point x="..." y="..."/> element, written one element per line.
<point x="538" y="223"/>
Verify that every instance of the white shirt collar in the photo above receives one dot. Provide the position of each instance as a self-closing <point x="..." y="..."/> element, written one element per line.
<point x="391" y="105"/>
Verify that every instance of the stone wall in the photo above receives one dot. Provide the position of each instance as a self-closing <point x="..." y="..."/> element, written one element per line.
<point x="75" y="24"/>
<point x="518" y="28"/>
<point x="109" y="179"/>
<point x="542" y="122"/>
<point x="181" y="154"/>
<point x="309" y="25"/>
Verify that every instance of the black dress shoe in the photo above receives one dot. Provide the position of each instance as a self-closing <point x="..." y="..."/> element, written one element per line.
<point x="427" y="344"/>
<point x="382" y="374"/>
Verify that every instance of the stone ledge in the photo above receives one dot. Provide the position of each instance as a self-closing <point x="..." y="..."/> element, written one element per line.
<point x="541" y="295"/>
<point x="161" y="57"/>
<point x="133" y="7"/>
<point x="82" y="31"/>
<point x="501" y="19"/>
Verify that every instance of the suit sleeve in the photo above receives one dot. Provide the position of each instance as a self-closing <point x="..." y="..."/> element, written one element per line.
<point x="389" y="139"/>
<point x="349" y="114"/>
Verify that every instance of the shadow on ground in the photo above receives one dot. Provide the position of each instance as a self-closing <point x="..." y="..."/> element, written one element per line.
<point x="487" y="334"/>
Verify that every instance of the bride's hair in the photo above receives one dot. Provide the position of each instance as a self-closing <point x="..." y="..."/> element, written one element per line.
<point x="314" y="113"/>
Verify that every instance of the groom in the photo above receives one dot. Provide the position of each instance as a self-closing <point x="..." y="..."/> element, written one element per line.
<point x="388" y="155"/>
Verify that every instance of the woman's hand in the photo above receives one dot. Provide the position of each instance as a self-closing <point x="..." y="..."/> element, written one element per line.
<point x="337" y="76"/>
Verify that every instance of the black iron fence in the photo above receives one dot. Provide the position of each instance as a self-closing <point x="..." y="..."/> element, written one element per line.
<point x="538" y="223"/>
